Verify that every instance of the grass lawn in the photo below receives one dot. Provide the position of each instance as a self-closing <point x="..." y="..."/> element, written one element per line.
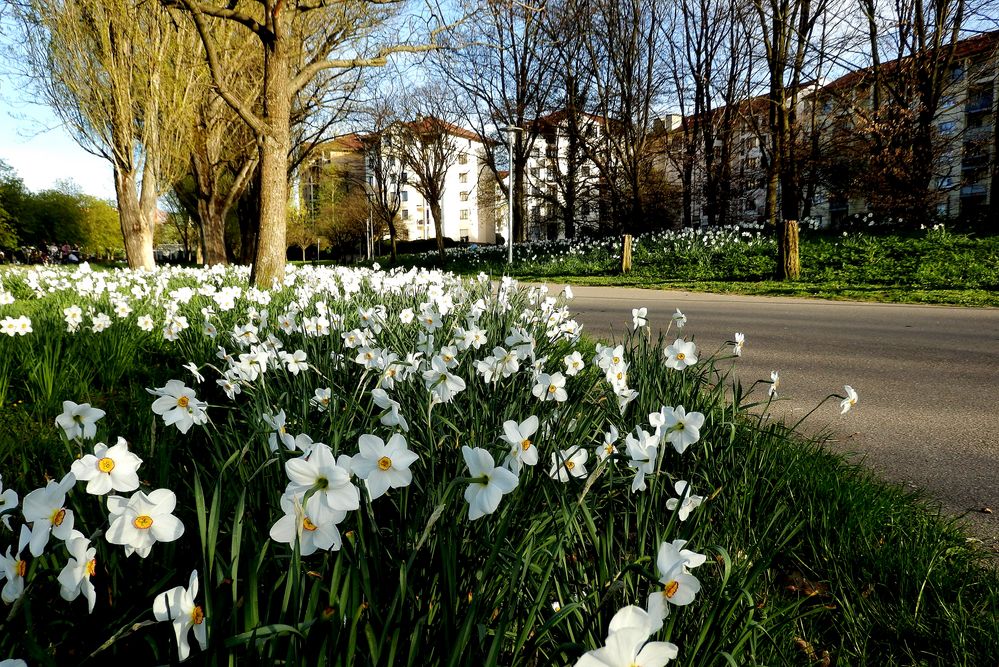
<point x="934" y="267"/>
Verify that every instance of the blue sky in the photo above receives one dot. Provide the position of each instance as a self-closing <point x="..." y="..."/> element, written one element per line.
<point x="33" y="142"/>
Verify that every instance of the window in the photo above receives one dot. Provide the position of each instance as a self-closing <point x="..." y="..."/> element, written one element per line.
<point x="584" y="171"/>
<point x="463" y="214"/>
<point x="535" y="172"/>
<point x="948" y="127"/>
<point x="463" y="177"/>
<point x="405" y="214"/>
<point x="404" y="178"/>
<point x="405" y="195"/>
<point x="462" y="158"/>
<point x="946" y="182"/>
<point x="464" y="196"/>
<point x="827" y="106"/>
<point x="957" y="73"/>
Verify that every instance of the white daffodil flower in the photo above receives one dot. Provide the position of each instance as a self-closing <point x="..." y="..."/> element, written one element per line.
<point x="322" y="398"/>
<point x="179" y="406"/>
<point x="314" y="527"/>
<point x="573" y="363"/>
<point x="609" y="446"/>
<point x="687" y="502"/>
<point x="679" y="586"/>
<point x="550" y="388"/>
<point x="139" y="522"/>
<point x="681" y="354"/>
<point x="679" y="319"/>
<point x="740" y="340"/>
<point x="643" y="450"/>
<point x="639" y="317"/>
<point x="391" y="415"/>
<point x="193" y="368"/>
<point x="177" y="606"/>
<point x="319" y="472"/>
<point x="45" y="509"/>
<point x="278" y="425"/>
<point x="382" y="465"/>
<point x="108" y="469"/>
<point x="8" y="502"/>
<point x="774" y="382"/>
<point x="79" y="420"/>
<point x="849" y="401"/>
<point x="443" y="385"/>
<point x="628" y="643"/>
<point x="492" y="483"/>
<point x="522" y="449"/>
<point x="295" y="362"/>
<point x="74" y="578"/>
<point x="680" y="428"/>
<point x="13" y="568"/>
<point x="568" y="463"/>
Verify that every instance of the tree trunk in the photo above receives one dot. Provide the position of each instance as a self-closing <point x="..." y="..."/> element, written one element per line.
<point x="392" y="239"/>
<point x="789" y="267"/>
<point x="435" y="210"/>
<point x="137" y="236"/>
<point x="272" y="249"/>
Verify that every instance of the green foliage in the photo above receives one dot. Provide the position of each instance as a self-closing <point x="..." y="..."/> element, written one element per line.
<point x="59" y="215"/>
<point x="802" y="547"/>
<point x="932" y="266"/>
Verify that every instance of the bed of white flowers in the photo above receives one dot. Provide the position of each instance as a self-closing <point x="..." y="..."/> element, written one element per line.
<point x="356" y="467"/>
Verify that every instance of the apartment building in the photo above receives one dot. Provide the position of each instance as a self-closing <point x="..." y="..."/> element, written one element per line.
<point x="563" y="186"/>
<point x="834" y="126"/>
<point x="377" y="162"/>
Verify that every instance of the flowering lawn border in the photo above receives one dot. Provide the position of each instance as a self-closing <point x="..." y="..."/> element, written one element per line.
<point x="347" y="478"/>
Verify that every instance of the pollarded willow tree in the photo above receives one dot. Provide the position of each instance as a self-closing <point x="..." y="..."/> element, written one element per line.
<point x="118" y="74"/>
<point x="300" y="40"/>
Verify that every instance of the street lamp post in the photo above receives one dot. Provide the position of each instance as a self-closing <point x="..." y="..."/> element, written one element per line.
<point x="512" y="132"/>
<point x="370" y="230"/>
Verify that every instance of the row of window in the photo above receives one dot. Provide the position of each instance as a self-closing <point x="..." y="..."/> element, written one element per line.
<point x="463" y="214"/>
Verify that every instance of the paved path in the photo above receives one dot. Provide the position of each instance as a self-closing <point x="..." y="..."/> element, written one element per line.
<point x="928" y="378"/>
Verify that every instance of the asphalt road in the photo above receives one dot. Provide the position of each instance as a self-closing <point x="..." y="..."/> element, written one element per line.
<point x="927" y="376"/>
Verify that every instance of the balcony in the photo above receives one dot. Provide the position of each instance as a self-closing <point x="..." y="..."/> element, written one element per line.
<point x="979" y="103"/>
<point x="975" y="161"/>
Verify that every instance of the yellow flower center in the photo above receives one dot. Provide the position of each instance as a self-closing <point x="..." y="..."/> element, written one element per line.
<point x="92" y="567"/>
<point x="183" y="401"/>
<point x="105" y="464"/>
<point x="681" y="356"/>
<point x="20" y="568"/>
<point x="197" y="615"/>
<point x="142" y="522"/>
<point x="570" y="465"/>
<point x="671" y="588"/>
<point x="617" y="360"/>
<point x="58" y="516"/>
<point x="308" y="525"/>
<point x="525" y="444"/>
<point x="384" y="463"/>
<point x="552" y="389"/>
